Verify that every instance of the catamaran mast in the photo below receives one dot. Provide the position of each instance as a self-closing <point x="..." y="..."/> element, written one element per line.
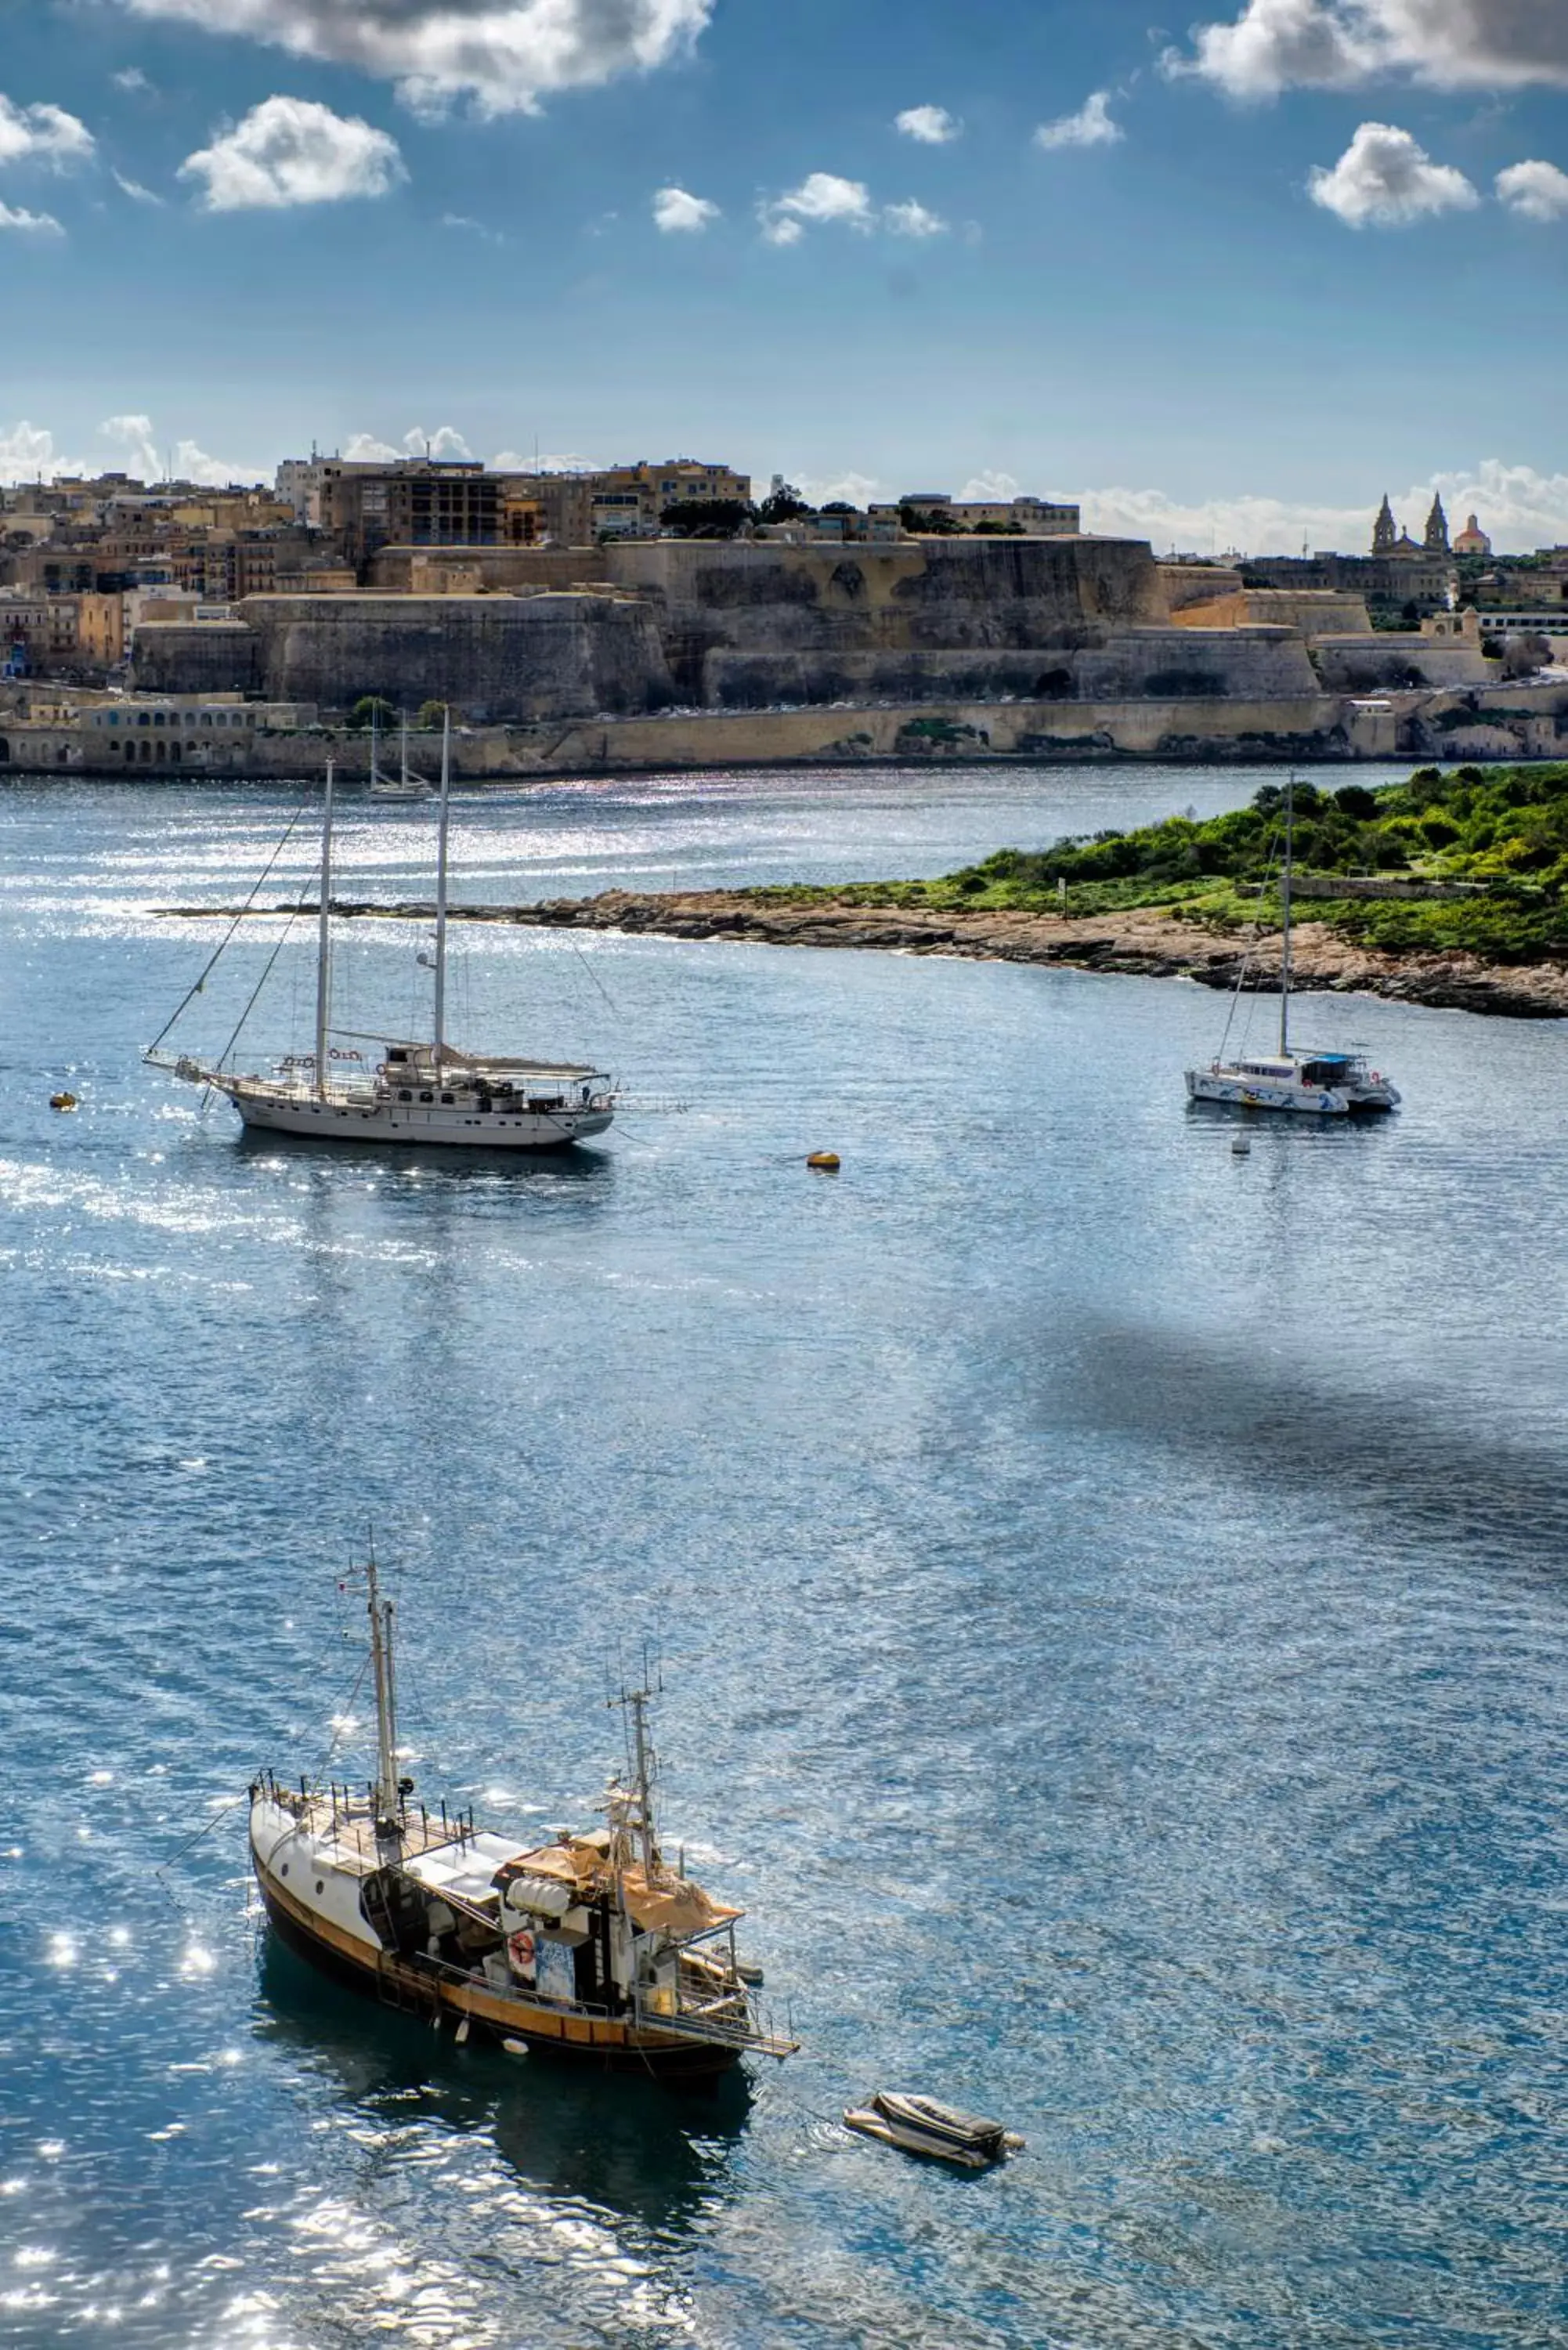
<point x="1285" y="910"/>
<point x="440" y="887"/>
<point x="324" y="946"/>
<point x="383" y="1672"/>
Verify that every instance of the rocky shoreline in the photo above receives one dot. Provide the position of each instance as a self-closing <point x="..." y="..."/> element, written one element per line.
<point x="1146" y="942"/>
<point x="1149" y="943"/>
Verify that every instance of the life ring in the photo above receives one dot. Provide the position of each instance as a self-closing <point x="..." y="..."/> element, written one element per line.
<point x="520" y="1950"/>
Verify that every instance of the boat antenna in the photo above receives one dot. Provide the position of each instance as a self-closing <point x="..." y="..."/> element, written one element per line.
<point x="644" y="1762"/>
<point x="441" y="831"/>
<point x="1285" y="912"/>
<point x="324" y="945"/>
<point x="388" y="1807"/>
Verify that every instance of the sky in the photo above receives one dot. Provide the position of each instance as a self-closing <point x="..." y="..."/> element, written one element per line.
<point x="1227" y="279"/>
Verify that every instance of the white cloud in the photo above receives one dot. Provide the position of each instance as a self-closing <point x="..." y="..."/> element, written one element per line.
<point x="910" y="219"/>
<point x="1091" y="126"/>
<point x="1539" y="191"/>
<point x="824" y="197"/>
<point x="933" y="126"/>
<point x="1521" y="508"/>
<point x="848" y="489"/>
<point x="508" y="461"/>
<point x="446" y="441"/>
<point x="290" y="151"/>
<point x="1276" y="45"/>
<point x="133" y="80"/>
<point x="133" y="436"/>
<point x="675" y="212"/>
<point x="821" y="196"/>
<point x="989" y="488"/>
<point x="27" y="453"/>
<point x="1384" y="178"/>
<point x="135" y="191"/>
<point x="502" y="55"/>
<point x="42" y="134"/>
<point x="29" y="224"/>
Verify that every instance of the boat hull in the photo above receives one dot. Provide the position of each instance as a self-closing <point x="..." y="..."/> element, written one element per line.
<point x="412" y="1123"/>
<point x="1303" y="1101"/>
<point x="603" y="2042"/>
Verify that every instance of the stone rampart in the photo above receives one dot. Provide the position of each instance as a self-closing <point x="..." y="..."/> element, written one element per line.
<point x="197" y="656"/>
<point x="496" y="658"/>
<point x="792" y="604"/>
<point x="1386" y="659"/>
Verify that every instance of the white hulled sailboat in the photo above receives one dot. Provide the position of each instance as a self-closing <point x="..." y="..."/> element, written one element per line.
<point x="591" y="1946"/>
<point x="1321" y="1085"/>
<point x="420" y="1092"/>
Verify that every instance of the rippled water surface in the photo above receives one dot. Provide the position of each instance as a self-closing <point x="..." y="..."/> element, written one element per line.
<point x="1110" y="1593"/>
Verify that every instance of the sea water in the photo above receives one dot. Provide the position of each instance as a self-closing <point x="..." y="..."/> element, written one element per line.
<point x="1108" y="1595"/>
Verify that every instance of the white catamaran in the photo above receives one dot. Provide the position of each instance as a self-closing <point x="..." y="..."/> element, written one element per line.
<point x="1321" y="1085"/>
<point x="420" y="1092"/>
<point x="592" y="1947"/>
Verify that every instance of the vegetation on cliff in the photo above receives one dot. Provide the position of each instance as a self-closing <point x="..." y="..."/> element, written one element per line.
<point x="1499" y="832"/>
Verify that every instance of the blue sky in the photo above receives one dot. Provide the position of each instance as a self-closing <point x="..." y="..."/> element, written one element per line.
<point x="1228" y="279"/>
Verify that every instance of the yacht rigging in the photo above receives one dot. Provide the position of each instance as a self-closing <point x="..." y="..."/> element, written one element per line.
<point x="1317" y="1083"/>
<point x="421" y="1092"/>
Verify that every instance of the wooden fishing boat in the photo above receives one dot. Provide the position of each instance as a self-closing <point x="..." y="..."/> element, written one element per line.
<point x="590" y="1946"/>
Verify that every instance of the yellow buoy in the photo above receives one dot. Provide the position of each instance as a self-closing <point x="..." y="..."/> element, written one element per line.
<point x="62" y="1101"/>
<point x="824" y="1161"/>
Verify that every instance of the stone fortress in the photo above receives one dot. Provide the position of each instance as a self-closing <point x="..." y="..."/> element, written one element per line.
<point x="829" y="638"/>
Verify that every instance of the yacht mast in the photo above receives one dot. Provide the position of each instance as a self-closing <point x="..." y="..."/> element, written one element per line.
<point x="404" y="765"/>
<point x="1285" y="910"/>
<point x="375" y="737"/>
<point x="440" y="887"/>
<point x="324" y="946"/>
<point x="383" y="1672"/>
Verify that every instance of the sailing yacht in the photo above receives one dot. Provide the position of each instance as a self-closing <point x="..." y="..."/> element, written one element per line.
<point x="405" y="785"/>
<point x="420" y="1092"/>
<point x="1321" y="1085"/>
<point x="591" y="1946"/>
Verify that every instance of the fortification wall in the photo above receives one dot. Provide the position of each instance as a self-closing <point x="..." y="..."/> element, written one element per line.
<point x="204" y="657"/>
<point x="1313" y="611"/>
<point x="496" y="657"/>
<point x="397" y="569"/>
<point x="922" y="596"/>
<point x="1385" y="659"/>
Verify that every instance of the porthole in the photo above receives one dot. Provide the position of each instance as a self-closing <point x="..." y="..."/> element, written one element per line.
<point x="427" y="1098"/>
<point x="321" y="1885"/>
<point x="403" y="1094"/>
<point x="283" y="1870"/>
<point x="447" y="1100"/>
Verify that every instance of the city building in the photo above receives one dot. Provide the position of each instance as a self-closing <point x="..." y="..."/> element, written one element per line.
<point x="1031" y="517"/>
<point x="410" y="502"/>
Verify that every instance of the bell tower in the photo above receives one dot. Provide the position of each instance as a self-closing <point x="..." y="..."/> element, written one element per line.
<point x="1437" y="529"/>
<point x="1385" y="531"/>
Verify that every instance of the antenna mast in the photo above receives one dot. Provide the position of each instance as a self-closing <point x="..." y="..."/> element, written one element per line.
<point x="1285" y="910"/>
<point x="389" y="1825"/>
<point x="324" y="947"/>
<point x="441" y="886"/>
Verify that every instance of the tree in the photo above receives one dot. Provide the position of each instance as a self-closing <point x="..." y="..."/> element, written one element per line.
<point x="432" y="714"/>
<point x="931" y="521"/>
<point x="839" y="505"/>
<point x="707" y="517"/>
<point x="371" y="706"/>
<point x="783" y="504"/>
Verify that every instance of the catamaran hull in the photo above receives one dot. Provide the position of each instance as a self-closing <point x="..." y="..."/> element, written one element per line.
<point x="1309" y="1101"/>
<point x="401" y="1123"/>
<point x="602" y="2042"/>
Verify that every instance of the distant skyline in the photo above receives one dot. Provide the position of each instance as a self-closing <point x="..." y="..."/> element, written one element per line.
<point x="1227" y="285"/>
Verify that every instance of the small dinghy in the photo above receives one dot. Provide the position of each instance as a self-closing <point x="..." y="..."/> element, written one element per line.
<point x="921" y="2126"/>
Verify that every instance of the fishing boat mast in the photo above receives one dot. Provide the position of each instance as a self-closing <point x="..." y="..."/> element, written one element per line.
<point x="441" y="830"/>
<point x="388" y="1805"/>
<point x="324" y="947"/>
<point x="1285" y="909"/>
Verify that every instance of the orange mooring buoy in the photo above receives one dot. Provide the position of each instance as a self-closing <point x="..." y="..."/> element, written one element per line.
<point x="62" y="1101"/>
<point x="824" y="1161"/>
